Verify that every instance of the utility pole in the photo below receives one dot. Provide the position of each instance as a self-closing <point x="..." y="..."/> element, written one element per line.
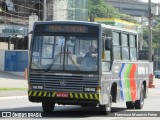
<point x="44" y="11"/>
<point x="150" y="32"/>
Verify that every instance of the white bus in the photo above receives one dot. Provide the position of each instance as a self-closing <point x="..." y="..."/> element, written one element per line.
<point x="87" y="64"/>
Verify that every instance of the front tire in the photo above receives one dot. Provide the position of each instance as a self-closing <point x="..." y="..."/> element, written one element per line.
<point x="140" y="103"/>
<point x="48" y="106"/>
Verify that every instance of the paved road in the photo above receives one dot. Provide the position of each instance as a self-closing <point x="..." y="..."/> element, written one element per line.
<point x="70" y="112"/>
<point x="152" y="103"/>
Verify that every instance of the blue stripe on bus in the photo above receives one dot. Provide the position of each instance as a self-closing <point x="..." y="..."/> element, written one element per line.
<point x="121" y="84"/>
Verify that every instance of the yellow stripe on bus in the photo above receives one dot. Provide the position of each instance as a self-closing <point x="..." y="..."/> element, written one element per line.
<point x="91" y="96"/>
<point x="40" y="93"/>
<point x="76" y="95"/>
<point x="35" y="92"/>
<point x="71" y="95"/>
<point x="30" y="92"/>
<point x="86" y="96"/>
<point x="96" y="96"/>
<point x="81" y="95"/>
<point x="54" y="94"/>
<point x="45" y="93"/>
<point x="49" y="94"/>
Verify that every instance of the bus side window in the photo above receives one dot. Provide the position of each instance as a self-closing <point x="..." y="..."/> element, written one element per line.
<point x="125" y="46"/>
<point x="133" y="47"/>
<point x="116" y="46"/>
<point x="106" y="55"/>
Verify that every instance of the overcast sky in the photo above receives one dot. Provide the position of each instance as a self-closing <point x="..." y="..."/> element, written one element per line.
<point x="156" y="1"/>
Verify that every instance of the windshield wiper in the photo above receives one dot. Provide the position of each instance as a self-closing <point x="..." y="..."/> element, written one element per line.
<point x="73" y="62"/>
<point x="53" y="61"/>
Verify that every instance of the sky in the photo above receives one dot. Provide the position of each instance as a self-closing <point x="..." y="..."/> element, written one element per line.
<point x="155" y="1"/>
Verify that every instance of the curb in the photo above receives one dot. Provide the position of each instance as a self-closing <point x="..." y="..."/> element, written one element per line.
<point x="13" y="97"/>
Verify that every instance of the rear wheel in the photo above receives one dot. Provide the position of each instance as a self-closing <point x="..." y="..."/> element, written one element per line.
<point x="48" y="106"/>
<point x="140" y="103"/>
<point x="130" y="105"/>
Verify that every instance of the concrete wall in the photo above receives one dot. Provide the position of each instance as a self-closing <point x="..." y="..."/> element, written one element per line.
<point x="4" y="46"/>
<point x="130" y="7"/>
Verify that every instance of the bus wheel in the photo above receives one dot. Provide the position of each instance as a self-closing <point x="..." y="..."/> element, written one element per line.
<point x="140" y="103"/>
<point x="130" y="105"/>
<point x="48" y="106"/>
<point x="106" y="109"/>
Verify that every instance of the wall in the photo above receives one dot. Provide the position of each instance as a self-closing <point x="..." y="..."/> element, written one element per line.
<point x="14" y="61"/>
<point x="4" y="46"/>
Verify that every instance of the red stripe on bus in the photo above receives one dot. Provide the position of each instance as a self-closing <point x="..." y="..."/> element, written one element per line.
<point x="133" y="81"/>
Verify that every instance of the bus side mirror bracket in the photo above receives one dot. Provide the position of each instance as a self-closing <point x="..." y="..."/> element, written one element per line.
<point x="31" y="32"/>
<point x="108" y="43"/>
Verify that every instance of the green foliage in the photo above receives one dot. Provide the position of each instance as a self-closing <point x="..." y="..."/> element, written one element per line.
<point x="145" y="37"/>
<point x="156" y="36"/>
<point x="99" y="8"/>
<point x="128" y="18"/>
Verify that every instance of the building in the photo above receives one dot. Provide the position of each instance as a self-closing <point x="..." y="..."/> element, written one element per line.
<point x="67" y="10"/>
<point x="14" y="19"/>
<point x="131" y="7"/>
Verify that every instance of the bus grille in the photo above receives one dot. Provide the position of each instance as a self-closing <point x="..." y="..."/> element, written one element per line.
<point x="71" y="83"/>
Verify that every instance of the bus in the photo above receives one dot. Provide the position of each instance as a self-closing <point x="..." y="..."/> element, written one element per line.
<point x="63" y="71"/>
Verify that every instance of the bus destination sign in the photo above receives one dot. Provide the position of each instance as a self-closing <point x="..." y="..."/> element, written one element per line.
<point x="67" y="28"/>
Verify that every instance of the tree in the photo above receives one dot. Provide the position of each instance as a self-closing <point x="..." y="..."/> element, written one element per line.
<point x="156" y="36"/>
<point x="99" y="8"/>
<point x="145" y="37"/>
<point x="128" y="18"/>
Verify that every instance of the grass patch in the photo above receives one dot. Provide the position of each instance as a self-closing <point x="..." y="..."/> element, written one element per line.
<point x="13" y="88"/>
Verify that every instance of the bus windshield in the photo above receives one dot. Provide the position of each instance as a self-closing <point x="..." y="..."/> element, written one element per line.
<point x="70" y="53"/>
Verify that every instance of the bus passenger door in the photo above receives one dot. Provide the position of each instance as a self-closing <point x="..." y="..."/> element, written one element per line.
<point x="106" y="71"/>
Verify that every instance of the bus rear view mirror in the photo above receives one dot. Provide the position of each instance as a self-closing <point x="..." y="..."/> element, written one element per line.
<point x="108" y="43"/>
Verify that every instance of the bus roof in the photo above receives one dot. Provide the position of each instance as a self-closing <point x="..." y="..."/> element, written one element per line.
<point x="68" y="22"/>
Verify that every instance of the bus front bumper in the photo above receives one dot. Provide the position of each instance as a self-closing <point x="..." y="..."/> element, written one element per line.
<point x="63" y="97"/>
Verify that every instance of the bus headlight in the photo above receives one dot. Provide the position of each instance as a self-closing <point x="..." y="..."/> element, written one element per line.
<point x="37" y="87"/>
<point x="98" y="89"/>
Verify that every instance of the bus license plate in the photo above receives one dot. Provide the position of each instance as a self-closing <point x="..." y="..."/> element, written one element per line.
<point x="62" y="95"/>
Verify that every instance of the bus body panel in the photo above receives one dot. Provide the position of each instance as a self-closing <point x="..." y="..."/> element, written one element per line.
<point x="122" y="82"/>
<point x="128" y="77"/>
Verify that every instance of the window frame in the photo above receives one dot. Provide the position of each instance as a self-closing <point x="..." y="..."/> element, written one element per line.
<point x="115" y="45"/>
<point x="133" y="47"/>
<point x="127" y="45"/>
